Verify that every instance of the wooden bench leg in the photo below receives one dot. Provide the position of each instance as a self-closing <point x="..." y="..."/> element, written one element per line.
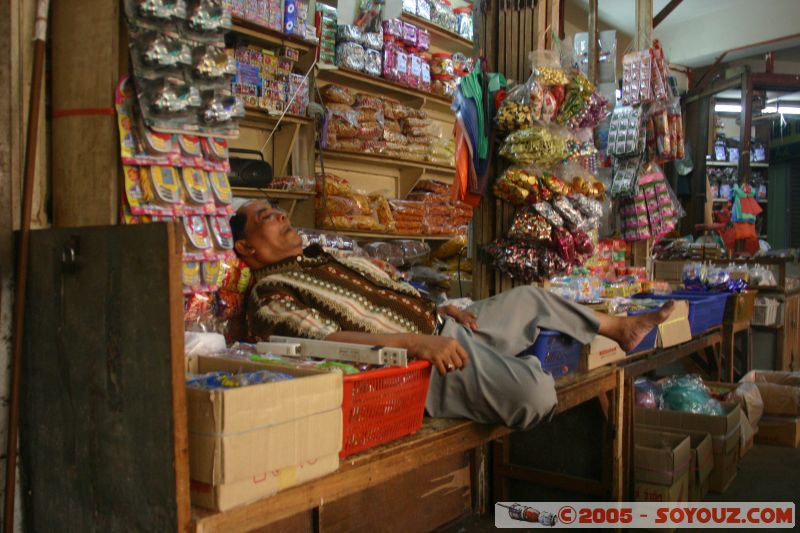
<point x="618" y="478"/>
<point x="727" y="351"/>
<point x="501" y="457"/>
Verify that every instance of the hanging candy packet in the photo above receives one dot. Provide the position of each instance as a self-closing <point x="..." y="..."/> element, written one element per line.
<point x="529" y="226"/>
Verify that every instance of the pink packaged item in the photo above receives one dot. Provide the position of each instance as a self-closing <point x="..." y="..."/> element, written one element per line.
<point x="409" y="34"/>
<point x="423" y="39"/>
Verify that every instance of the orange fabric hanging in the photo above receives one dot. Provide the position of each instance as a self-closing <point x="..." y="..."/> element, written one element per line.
<point x="463" y="163"/>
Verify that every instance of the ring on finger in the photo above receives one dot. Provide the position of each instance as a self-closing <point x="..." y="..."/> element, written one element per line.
<point x="450" y="366"/>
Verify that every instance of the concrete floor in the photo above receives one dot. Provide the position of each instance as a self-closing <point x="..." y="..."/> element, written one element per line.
<point x="766" y="474"/>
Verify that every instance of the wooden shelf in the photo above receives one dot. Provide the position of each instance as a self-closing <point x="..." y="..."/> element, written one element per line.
<point x="380" y="86"/>
<point x="255" y="116"/>
<point x="441" y="38"/>
<point x="720" y="201"/>
<point x="268" y="37"/>
<point x="383" y="236"/>
<point x="275" y="194"/>
<point x="388" y="161"/>
<point x="734" y="164"/>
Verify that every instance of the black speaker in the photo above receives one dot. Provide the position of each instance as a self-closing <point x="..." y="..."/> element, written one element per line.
<point x="249" y="171"/>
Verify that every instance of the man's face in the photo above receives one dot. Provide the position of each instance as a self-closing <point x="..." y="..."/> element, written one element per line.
<point x="268" y="236"/>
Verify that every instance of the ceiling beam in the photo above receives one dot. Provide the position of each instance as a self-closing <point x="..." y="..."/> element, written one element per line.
<point x="665" y="12"/>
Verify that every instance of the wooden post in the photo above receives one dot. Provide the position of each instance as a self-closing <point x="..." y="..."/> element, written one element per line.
<point x="746" y="127"/>
<point x="594" y="52"/>
<point x="644" y="24"/>
<point x="644" y="38"/>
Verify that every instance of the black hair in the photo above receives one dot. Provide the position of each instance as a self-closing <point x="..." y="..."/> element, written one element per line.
<point x="238" y="224"/>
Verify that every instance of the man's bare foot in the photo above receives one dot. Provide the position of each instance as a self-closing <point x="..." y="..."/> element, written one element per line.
<point x="634" y="329"/>
<point x="629" y="331"/>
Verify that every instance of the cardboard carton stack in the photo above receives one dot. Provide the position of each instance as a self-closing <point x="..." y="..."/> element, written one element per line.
<point x="748" y="396"/>
<point x="780" y="392"/>
<point x="250" y="442"/>
<point x="661" y="466"/>
<point x="725" y="431"/>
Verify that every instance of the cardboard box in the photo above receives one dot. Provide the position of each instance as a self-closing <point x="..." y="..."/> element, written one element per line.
<point x="780" y="391"/>
<point x="652" y="492"/>
<point x="600" y="352"/>
<point x="235" y="434"/>
<point x="746" y="395"/>
<point x="725" y="433"/>
<point x="675" y="330"/>
<point x="227" y="496"/>
<point x="671" y="271"/>
<point x="780" y="430"/>
<point x="660" y="457"/>
<point x="702" y="460"/>
<point x="724" y="471"/>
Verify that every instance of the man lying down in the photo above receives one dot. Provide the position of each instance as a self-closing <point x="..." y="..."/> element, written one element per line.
<point x="307" y="293"/>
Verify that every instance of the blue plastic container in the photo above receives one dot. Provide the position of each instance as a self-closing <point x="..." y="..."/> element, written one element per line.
<point x="706" y="309"/>
<point x="559" y="354"/>
<point x="649" y="342"/>
<point x="711" y="310"/>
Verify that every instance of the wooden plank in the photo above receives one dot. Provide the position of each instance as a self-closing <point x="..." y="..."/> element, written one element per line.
<point x="7" y="135"/>
<point x="438" y="439"/>
<point x="489" y="26"/>
<point x="501" y="41"/>
<point x="85" y="146"/>
<point x="542" y="27"/>
<point x="103" y="354"/>
<point x="662" y="357"/>
<point x="283" y="146"/>
<point x="555" y="19"/>
<point x="419" y="500"/>
<point x="180" y="422"/>
<point x="513" y="50"/>
<point x="530" y="34"/>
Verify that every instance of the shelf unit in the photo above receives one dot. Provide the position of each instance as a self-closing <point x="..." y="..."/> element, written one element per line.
<point x="380" y="236"/>
<point x="257" y="125"/>
<point x="734" y="164"/>
<point x="286" y="198"/>
<point x="410" y="171"/>
<point x="441" y="38"/>
<point x="269" y="38"/>
<point x="380" y="86"/>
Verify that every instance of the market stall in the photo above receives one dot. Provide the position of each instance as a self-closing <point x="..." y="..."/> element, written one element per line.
<point x="463" y="150"/>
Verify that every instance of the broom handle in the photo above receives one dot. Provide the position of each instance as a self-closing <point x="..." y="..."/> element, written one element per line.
<point x="40" y="32"/>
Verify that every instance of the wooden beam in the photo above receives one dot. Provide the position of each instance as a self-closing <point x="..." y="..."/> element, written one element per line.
<point x="669" y="8"/>
<point x="644" y="24"/>
<point x="745" y="131"/>
<point x="594" y="52"/>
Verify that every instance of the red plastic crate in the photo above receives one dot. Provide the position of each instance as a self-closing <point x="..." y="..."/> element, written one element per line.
<point x="383" y="405"/>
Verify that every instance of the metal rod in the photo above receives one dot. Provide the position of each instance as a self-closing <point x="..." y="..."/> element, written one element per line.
<point x="40" y="31"/>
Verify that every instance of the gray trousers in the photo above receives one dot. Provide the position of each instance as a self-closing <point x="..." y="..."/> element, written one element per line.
<point x="496" y="387"/>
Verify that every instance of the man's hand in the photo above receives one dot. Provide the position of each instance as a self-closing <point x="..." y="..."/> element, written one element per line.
<point x="444" y="353"/>
<point x="466" y="318"/>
